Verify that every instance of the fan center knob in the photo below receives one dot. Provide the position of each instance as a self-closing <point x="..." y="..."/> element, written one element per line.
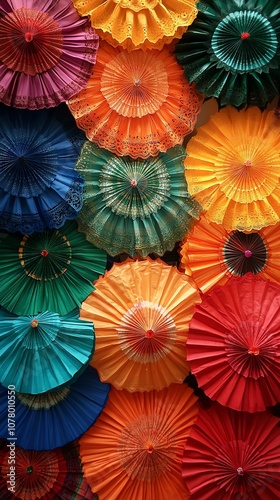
<point x="28" y="36"/>
<point x="245" y="35"/>
<point x="34" y="323"/>
<point x="29" y="469"/>
<point x="150" y="449"/>
<point x="248" y="253"/>
<point x="240" y="471"/>
<point x="44" y="253"/>
<point x="133" y="182"/>
<point x="254" y="351"/>
<point x="137" y="82"/>
<point x="247" y="163"/>
<point x="149" y="334"/>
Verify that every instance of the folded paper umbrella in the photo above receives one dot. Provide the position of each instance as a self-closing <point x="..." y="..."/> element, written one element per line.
<point x="40" y="353"/>
<point x="52" y="419"/>
<point x="212" y="255"/>
<point x="42" y="475"/>
<point x="233" y="168"/>
<point x="144" y="24"/>
<point x="135" y="448"/>
<point x="141" y="311"/>
<point x="134" y="206"/>
<point x="39" y="186"/>
<point x="49" y="271"/>
<point x="136" y="103"/>
<point x="47" y="52"/>
<point x="231" y="455"/>
<point x="232" y="345"/>
<point x="232" y="51"/>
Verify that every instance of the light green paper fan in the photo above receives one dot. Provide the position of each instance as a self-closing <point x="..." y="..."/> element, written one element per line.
<point x="43" y="352"/>
<point x="49" y="271"/>
<point x="134" y="206"/>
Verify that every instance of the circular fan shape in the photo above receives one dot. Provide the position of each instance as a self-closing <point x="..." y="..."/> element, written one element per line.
<point x="233" y="168"/>
<point x="53" y="270"/>
<point x="212" y="255"/>
<point x="136" y="103"/>
<point x="42" y="474"/>
<point x="144" y="24"/>
<point x="47" y="53"/>
<point x="233" y="340"/>
<point x="232" y="51"/>
<point x="134" y="206"/>
<point x="49" y="420"/>
<point x="135" y="448"/>
<point x="39" y="353"/>
<point x="39" y="186"/>
<point x="232" y="455"/>
<point x="141" y="337"/>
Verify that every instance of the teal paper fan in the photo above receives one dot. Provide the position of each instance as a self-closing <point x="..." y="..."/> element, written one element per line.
<point x="43" y="352"/>
<point x="136" y="206"/>
<point x="232" y="51"/>
<point x="49" y="271"/>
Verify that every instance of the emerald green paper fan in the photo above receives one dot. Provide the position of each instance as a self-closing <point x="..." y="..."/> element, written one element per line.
<point x="136" y="206"/>
<point x="232" y="51"/>
<point x="49" y="271"/>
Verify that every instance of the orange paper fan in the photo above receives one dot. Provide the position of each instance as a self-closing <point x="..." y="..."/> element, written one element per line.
<point x="136" y="103"/>
<point x="141" y="24"/>
<point x="212" y="255"/>
<point x="141" y="311"/>
<point x="233" y="168"/>
<point x="135" y="449"/>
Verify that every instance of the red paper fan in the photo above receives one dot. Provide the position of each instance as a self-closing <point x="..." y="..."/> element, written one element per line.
<point x="232" y="455"/>
<point x="233" y="343"/>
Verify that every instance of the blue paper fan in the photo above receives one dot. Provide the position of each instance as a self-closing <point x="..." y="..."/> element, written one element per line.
<point x="38" y="152"/>
<point x="47" y="421"/>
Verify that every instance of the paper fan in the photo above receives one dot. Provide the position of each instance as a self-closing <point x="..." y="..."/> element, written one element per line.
<point x="135" y="448"/>
<point x="46" y="421"/>
<point x="134" y="206"/>
<point x="47" y="52"/>
<point x="39" y="186"/>
<point x="232" y="345"/>
<point x="53" y="270"/>
<point x="144" y="24"/>
<point x="136" y="103"/>
<point x="141" y="337"/>
<point x="39" y="353"/>
<point x="233" y="168"/>
<point x="212" y="255"/>
<point x="232" y="455"/>
<point x="232" y="51"/>
<point x="33" y="475"/>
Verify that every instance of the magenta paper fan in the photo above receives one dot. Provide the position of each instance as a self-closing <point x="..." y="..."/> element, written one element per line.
<point x="47" y="52"/>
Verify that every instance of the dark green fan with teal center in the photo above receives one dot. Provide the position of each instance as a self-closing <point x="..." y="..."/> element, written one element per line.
<point x="232" y="51"/>
<point x="136" y="206"/>
<point x="43" y="352"/>
<point x="49" y="271"/>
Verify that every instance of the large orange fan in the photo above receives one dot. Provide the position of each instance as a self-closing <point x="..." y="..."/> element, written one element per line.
<point x="232" y="455"/>
<point x="233" y="343"/>
<point x="233" y="168"/>
<point x="139" y="23"/>
<point x="212" y="255"/>
<point x="141" y="311"/>
<point x="135" y="449"/>
<point x="136" y="103"/>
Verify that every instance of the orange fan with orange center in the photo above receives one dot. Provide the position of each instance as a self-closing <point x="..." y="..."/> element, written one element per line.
<point x="134" y="451"/>
<point x="233" y="168"/>
<point x="136" y="103"/>
<point x="141" y="311"/>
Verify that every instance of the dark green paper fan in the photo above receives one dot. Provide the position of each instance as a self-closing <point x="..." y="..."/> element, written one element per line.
<point x="232" y="51"/>
<point x="49" y="271"/>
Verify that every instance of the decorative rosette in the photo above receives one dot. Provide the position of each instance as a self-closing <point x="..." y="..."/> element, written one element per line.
<point x="144" y="24"/>
<point x="232" y="51"/>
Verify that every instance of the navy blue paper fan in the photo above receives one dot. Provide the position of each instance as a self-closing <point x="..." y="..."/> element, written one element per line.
<point x="38" y="152"/>
<point x="50" y="420"/>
